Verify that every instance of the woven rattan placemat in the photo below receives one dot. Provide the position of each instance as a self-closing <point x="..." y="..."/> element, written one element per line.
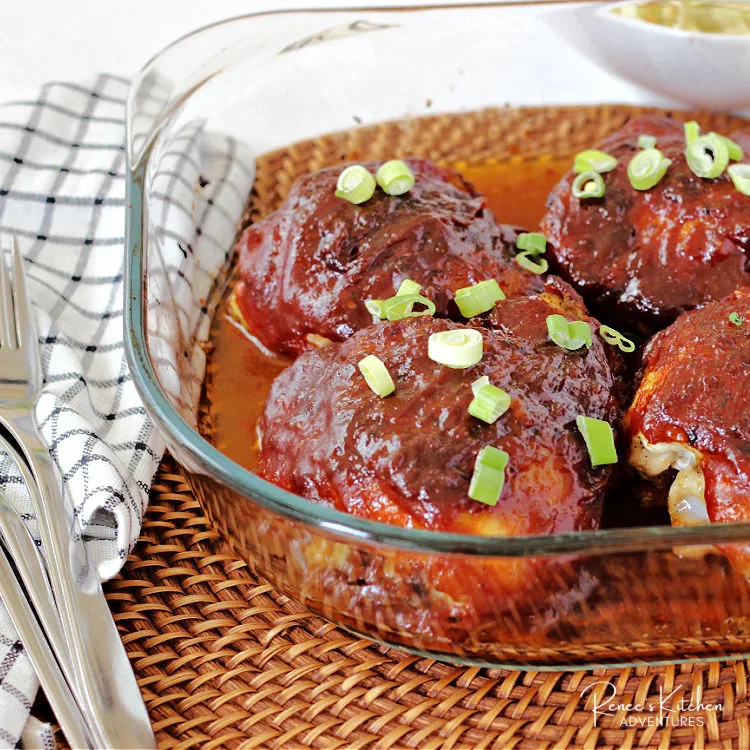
<point x="226" y="661"/>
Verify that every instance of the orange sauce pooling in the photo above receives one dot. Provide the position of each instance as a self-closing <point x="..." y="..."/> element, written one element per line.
<point x="242" y="372"/>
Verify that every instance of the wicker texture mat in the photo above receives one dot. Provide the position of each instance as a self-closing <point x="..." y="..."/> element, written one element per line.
<point x="466" y="138"/>
<point x="570" y="624"/>
<point x="225" y="661"/>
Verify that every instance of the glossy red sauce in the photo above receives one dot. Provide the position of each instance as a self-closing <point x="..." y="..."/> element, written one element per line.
<point x="309" y="267"/>
<point x="408" y="459"/>
<point x="242" y="373"/>
<point x="684" y="397"/>
<point x="643" y="257"/>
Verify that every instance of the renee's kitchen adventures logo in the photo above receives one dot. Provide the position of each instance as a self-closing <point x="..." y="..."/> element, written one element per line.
<point x="661" y="711"/>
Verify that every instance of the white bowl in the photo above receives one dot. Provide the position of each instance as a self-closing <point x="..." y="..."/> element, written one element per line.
<point x="697" y="68"/>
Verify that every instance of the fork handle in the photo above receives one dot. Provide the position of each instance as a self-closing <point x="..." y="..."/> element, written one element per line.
<point x="33" y="574"/>
<point x="105" y="683"/>
<point x="40" y="654"/>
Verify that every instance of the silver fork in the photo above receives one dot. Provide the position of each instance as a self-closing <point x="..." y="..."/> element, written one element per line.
<point x="23" y="552"/>
<point x="102" y="679"/>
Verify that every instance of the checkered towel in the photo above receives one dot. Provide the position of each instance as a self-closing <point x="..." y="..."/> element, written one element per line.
<point x="62" y="194"/>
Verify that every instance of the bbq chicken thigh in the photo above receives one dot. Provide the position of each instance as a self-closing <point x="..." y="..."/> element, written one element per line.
<point x="691" y="413"/>
<point x="307" y="269"/>
<point x="645" y="256"/>
<point x="408" y="458"/>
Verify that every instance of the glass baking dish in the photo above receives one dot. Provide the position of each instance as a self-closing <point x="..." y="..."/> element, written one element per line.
<point x="200" y="114"/>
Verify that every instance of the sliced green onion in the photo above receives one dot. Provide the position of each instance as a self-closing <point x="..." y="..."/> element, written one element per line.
<point x="593" y="160"/>
<point x="355" y="184"/>
<point x="479" y="383"/>
<point x="402" y="306"/>
<point x="611" y="336"/>
<point x="569" y="335"/>
<point x="647" y="168"/>
<point x="588" y="185"/>
<point x="489" y="475"/>
<point x="376" y="375"/>
<point x="692" y="131"/>
<point x="457" y="349"/>
<point x="533" y="242"/>
<point x="735" y="150"/>
<point x="395" y="177"/>
<point x="408" y="286"/>
<point x="489" y="403"/>
<point x="736" y="319"/>
<point x="707" y="156"/>
<point x="375" y="307"/>
<point x="479" y="298"/>
<point x="599" y="439"/>
<point x="740" y="176"/>
<point x="532" y="262"/>
<point x="646" y="141"/>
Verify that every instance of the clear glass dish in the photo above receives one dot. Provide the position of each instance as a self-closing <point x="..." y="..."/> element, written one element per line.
<point x="199" y="114"/>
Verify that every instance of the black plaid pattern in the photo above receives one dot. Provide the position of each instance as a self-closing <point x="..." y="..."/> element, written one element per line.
<point x="62" y="194"/>
<point x="16" y="675"/>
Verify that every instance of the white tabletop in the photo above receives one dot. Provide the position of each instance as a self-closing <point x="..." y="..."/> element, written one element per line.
<point x="45" y="40"/>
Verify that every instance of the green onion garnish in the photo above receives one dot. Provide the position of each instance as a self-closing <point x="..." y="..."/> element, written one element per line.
<point x="692" y="131"/>
<point x="569" y="335"/>
<point x="489" y="403"/>
<point x="735" y="150"/>
<point x="402" y="306"/>
<point x="375" y="307"/>
<point x="593" y="160"/>
<point x="532" y="262"/>
<point x="533" y="242"/>
<point x="479" y="298"/>
<point x="489" y="475"/>
<point x="736" y="319"/>
<point x="457" y="349"/>
<point x="355" y="184"/>
<point x="647" y="168"/>
<point x="646" y="141"/>
<point x="599" y="439"/>
<point x="588" y="185"/>
<point x="395" y="177"/>
<point x="707" y="156"/>
<point x="408" y="286"/>
<point x="479" y="383"/>
<point x="611" y="336"/>
<point x="740" y="176"/>
<point x="376" y="375"/>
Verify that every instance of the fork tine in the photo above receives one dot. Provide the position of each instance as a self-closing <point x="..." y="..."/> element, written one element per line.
<point x="7" y="337"/>
<point x="24" y="323"/>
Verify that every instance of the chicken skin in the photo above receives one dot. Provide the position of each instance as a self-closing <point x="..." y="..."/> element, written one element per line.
<point x="307" y="269"/>
<point x="407" y="459"/>
<point x="643" y="257"/>
<point x="691" y="413"/>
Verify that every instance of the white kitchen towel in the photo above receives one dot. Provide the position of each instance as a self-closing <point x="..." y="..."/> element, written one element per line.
<point x="62" y="194"/>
